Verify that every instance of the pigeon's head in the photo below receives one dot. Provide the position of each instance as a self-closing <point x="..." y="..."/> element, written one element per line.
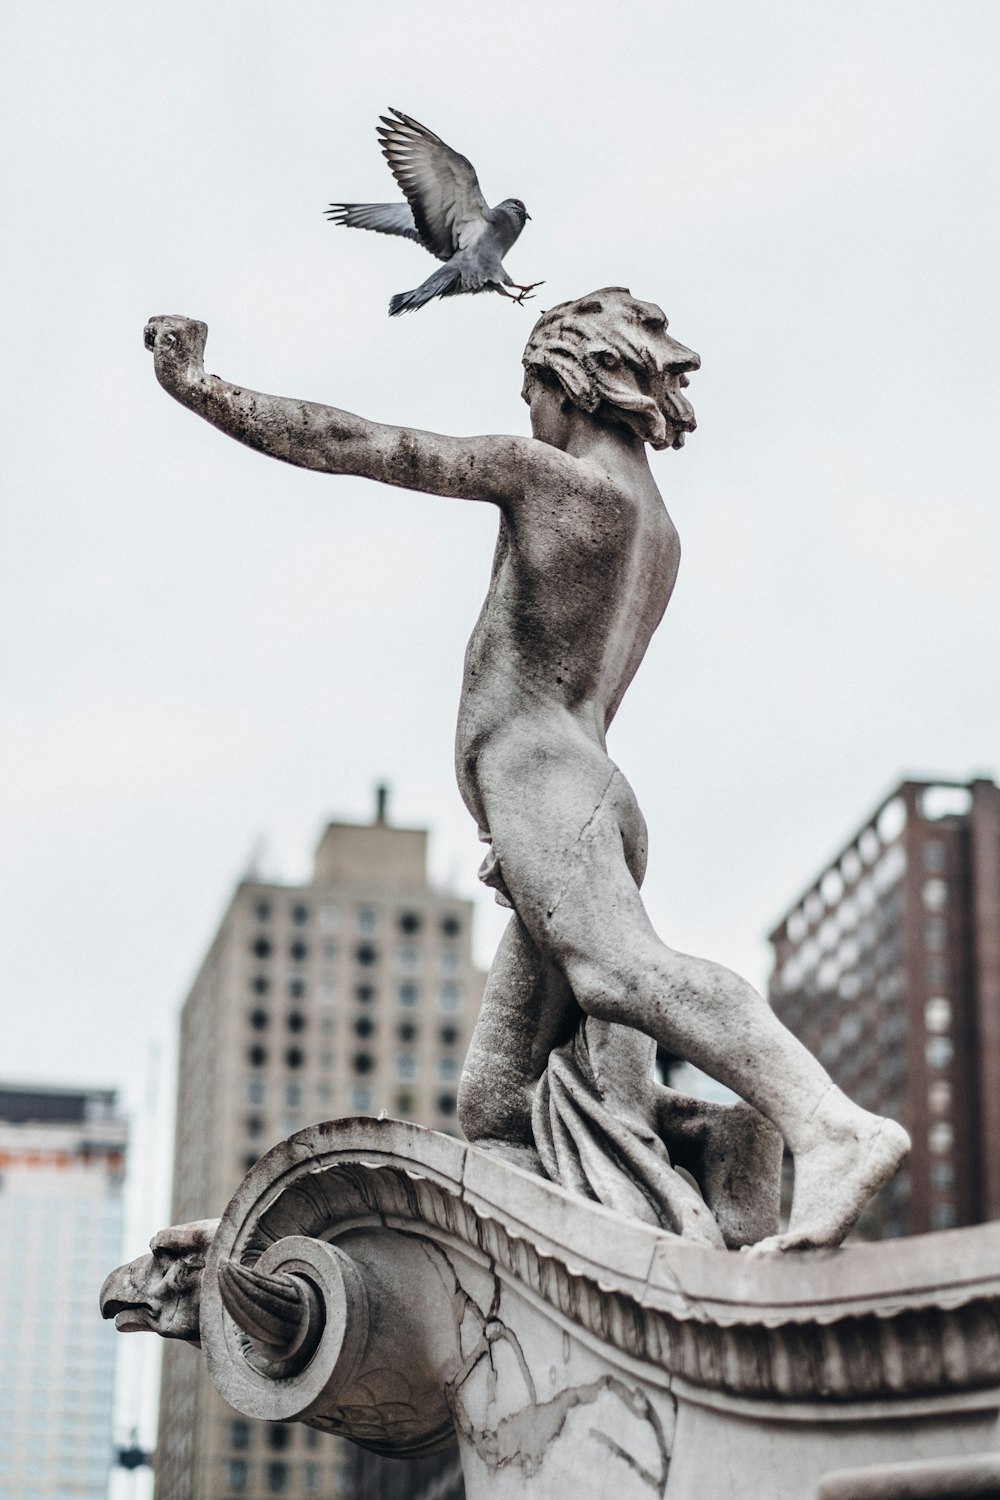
<point x="610" y="355"/>
<point x="515" y="208"/>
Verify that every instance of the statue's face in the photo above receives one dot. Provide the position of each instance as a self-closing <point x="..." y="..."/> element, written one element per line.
<point x="161" y="1292"/>
<point x="672" y="362"/>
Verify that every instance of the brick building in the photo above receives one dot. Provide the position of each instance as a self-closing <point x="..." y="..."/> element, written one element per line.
<point x="888" y="969"/>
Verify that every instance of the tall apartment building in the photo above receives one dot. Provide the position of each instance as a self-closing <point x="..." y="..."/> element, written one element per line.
<point x="348" y="995"/>
<point x="62" y="1155"/>
<point x="888" y="969"/>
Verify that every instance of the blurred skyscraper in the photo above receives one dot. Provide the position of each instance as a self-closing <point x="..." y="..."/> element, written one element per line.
<point x="888" y="968"/>
<point x="348" y="995"/>
<point x="62" y="1156"/>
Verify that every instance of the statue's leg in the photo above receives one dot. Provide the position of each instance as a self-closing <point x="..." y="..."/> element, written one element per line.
<point x="562" y="843"/>
<point x="527" y="1010"/>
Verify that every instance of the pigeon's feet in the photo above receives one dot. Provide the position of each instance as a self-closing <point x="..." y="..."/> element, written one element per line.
<point x="524" y="292"/>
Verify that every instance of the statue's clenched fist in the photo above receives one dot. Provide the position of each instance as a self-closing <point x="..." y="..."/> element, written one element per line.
<point x="176" y="342"/>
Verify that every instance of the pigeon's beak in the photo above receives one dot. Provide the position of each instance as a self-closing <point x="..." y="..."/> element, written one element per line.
<point x="526" y="214"/>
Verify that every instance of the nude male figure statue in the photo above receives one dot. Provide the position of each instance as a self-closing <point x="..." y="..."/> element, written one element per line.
<point x="584" y="568"/>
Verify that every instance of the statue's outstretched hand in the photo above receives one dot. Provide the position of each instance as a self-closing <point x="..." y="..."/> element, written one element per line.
<point x="178" y="348"/>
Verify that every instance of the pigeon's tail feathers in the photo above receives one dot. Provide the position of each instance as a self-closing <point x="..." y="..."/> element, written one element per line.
<point x="384" y="218"/>
<point x="443" y="283"/>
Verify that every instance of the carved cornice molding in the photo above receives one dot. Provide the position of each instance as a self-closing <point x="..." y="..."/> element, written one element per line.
<point x="896" y="1319"/>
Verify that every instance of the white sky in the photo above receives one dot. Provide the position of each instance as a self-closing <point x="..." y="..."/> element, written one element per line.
<point x="202" y="647"/>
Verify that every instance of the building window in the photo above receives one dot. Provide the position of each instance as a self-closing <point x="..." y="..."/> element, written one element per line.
<point x="239" y="1434"/>
<point x="446" y="1104"/>
<point x="934" y="856"/>
<point x="409" y="956"/>
<point x="297" y="988"/>
<point x="329" y="949"/>
<point x="364" y="993"/>
<point x="936" y="973"/>
<point x="328" y="917"/>
<point x="300" y="914"/>
<point x="449" y="958"/>
<point x="943" y="1216"/>
<point x="328" y="1023"/>
<point x="406" y="1065"/>
<point x="447" y="1068"/>
<point x="261" y="984"/>
<point x="937" y="1014"/>
<point x="935" y="895"/>
<point x="293" y="1095"/>
<point x="939" y="1051"/>
<point x="940" y="1138"/>
<point x="261" y="948"/>
<point x="298" y="951"/>
<point x="278" y="1436"/>
<point x="448" y="1035"/>
<point x="256" y="1091"/>
<point x="365" y="954"/>
<point x="406" y="1031"/>
<point x="361" y="1097"/>
<point x="409" y="922"/>
<point x="311" y="1475"/>
<point x="408" y="994"/>
<point x="277" y="1477"/>
<point x="294" y="1057"/>
<point x="257" y="1056"/>
<point x="250" y="1160"/>
<point x="367" y="919"/>
<point x="449" y="996"/>
<point x="451" y="926"/>
<point x="254" y="1125"/>
<point x="262" y="911"/>
<point x="942" y="1175"/>
<point x="259" y="1019"/>
<point x="404" y="1103"/>
<point x="935" y="934"/>
<point x="295" y="1021"/>
<point x="364" y="1026"/>
<point x="362" y="1062"/>
<point x="939" y="1097"/>
<point x="236" y="1476"/>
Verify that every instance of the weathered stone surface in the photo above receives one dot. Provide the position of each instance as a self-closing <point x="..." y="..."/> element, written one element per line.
<point x="571" y="1352"/>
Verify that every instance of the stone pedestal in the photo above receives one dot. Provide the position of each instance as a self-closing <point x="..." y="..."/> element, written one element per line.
<point x="448" y="1296"/>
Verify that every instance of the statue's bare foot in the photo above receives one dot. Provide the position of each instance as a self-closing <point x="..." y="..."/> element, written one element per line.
<point x="855" y="1155"/>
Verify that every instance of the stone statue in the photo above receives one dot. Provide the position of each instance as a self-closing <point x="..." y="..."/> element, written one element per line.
<point x="560" y="1071"/>
<point x="161" y="1292"/>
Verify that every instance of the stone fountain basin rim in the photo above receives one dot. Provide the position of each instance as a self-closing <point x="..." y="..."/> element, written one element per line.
<point x="656" y="1269"/>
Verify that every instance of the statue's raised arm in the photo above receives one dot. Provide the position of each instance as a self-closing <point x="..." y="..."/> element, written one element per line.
<point x="311" y="435"/>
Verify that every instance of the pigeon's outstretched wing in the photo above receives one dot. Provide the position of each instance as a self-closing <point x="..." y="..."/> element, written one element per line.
<point x="385" y="218"/>
<point x="440" y="185"/>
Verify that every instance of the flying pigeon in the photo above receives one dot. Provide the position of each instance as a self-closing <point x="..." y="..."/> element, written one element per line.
<point x="445" y="212"/>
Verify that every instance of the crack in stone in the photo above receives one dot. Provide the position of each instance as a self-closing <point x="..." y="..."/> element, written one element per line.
<point x="551" y="911"/>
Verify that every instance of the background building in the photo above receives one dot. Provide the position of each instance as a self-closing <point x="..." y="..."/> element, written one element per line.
<point x="888" y="969"/>
<point x="62" y="1156"/>
<point x="348" y="995"/>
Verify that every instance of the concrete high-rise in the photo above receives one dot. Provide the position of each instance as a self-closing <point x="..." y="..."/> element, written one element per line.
<point x="888" y="969"/>
<point x="351" y="994"/>
<point x="62" y="1157"/>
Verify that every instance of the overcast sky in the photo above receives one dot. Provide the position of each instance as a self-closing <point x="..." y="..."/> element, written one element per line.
<point x="203" y="649"/>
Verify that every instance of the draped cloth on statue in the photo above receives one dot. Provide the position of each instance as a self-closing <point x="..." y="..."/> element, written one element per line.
<point x="596" y="1123"/>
